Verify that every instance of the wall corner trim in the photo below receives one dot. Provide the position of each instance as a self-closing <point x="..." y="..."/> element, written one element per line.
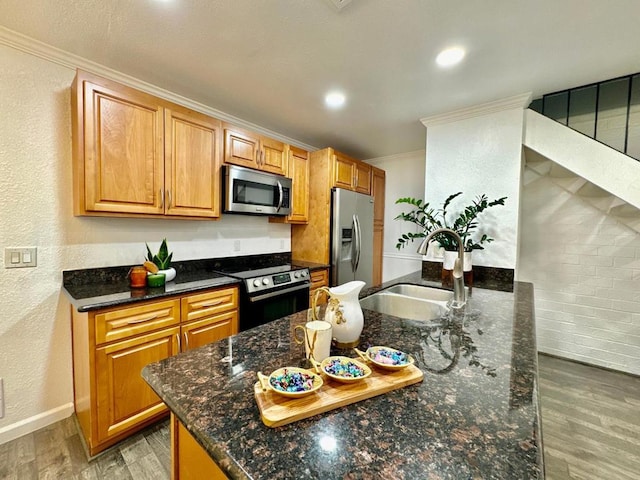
<point x="509" y="103"/>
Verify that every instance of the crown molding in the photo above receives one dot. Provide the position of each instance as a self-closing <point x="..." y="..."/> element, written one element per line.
<point x="397" y="156"/>
<point x="509" y="103"/>
<point x="66" y="59"/>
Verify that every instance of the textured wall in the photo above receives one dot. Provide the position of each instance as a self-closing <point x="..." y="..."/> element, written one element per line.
<point x="36" y="210"/>
<point x="475" y="156"/>
<point x="585" y="267"/>
<point x="404" y="178"/>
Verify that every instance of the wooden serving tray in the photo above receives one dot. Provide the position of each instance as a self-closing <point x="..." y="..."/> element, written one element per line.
<point x="277" y="410"/>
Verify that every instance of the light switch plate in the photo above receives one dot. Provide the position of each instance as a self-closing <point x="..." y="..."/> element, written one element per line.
<point x="20" y="257"/>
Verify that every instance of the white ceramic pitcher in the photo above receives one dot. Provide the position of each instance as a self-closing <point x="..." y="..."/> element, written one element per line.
<point x="343" y="312"/>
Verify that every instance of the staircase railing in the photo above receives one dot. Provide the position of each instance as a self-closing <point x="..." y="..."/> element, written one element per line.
<point x="608" y="111"/>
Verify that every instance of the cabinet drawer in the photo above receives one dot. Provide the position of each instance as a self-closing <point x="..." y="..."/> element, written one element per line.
<point x="128" y="322"/>
<point x="209" y="329"/>
<point x="195" y="307"/>
<point x="319" y="278"/>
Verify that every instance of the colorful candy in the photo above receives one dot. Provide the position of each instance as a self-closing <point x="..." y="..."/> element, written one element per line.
<point x="344" y="369"/>
<point x="389" y="357"/>
<point x="292" y="381"/>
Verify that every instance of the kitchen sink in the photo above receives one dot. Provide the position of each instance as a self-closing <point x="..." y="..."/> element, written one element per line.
<point x="418" y="291"/>
<point x="404" y="306"/>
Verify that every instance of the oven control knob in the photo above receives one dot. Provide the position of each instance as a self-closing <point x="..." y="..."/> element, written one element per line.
<point x="296" y="274"/>
<point x="256" y="282"/>
<point x="265" y="281"/>
<point x="304" y="273"/>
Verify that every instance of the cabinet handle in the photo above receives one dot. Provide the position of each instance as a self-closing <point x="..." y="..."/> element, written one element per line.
<point x="169" y="198"/>
<point x="161" y="198"/>
<point x="212" y="304"/>
<point x="142" y="320"/>
<point x="179" y="342"/>
<point x="186" y="341"/>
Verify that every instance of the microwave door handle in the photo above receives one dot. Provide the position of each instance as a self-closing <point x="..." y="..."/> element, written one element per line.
<point x="358" y="241"/>
<point x="280" y="195"/>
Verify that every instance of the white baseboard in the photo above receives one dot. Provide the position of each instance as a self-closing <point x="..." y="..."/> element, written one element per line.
<point x="31" y="424"/>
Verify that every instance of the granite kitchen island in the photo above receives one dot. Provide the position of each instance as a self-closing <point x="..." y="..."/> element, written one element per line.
<point x="474" y="415"/>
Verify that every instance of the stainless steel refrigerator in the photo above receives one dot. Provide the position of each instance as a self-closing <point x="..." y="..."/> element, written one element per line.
<point x="351" y="237"/>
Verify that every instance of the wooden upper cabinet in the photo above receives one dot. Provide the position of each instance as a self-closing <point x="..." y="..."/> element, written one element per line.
<point x="192" y="170"/>
<point x="139" y="155"/>
<point x="362" y="181"/>
<point x="248" y="149"/>
<point x="351" y="174"/>
<point x="377" y="190"/>
<point x="298" y="171"/>
<point x="344" y="169"/>
<point x="120" y="133"/>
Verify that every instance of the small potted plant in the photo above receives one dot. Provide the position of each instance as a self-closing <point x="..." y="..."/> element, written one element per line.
<point x="464" y="224"/>
<point x="162" y="260"/>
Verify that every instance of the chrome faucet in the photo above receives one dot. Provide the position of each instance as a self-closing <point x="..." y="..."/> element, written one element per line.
<point x="459" y="296"/>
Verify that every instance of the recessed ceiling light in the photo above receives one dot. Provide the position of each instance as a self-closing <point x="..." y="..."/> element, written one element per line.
<point x="450" y="56"/>
<point x="335" y="99"/>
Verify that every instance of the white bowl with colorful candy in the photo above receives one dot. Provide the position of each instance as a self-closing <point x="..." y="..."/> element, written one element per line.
<point x="343" y="369"/>
<point x="386" y="357"/>
<point x="291" y="381"/>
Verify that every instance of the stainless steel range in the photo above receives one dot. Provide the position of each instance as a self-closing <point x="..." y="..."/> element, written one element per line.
<point x="270" y="293"/>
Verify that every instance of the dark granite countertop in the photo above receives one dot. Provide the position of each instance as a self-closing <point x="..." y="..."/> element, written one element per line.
<point x="95" y="288"/>
<point x="475" y="414"/>
<point x="114" y="292"/>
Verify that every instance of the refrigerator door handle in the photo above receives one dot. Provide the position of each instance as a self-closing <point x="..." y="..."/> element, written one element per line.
<point x="357" y="241"/>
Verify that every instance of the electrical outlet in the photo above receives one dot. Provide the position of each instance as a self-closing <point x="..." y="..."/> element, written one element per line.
<point x="19" y="257"/>
<point x="1" y="398"/>
<point x="236" y="245"/>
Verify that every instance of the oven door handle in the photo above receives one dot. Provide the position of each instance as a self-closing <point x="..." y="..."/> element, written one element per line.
<point x="264" y="296"/>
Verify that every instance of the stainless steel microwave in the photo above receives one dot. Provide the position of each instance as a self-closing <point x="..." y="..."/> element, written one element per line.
<point x="255" y="193"/>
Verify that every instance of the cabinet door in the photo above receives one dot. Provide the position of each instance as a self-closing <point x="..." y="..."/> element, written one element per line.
<point x="299" y="173"/>
<point x="241" y="147"/>
<point x="189" y="461"/>
<point x="123" y="150"/>
<point x="273" y="156"/>
<point x="343" y="172"/>
<point x="192" y="182"/>
<point x="378" y="235"/>
<point x="378" y="187"/>
<point x="124" y="399"/>
<point x="362" y="182"/>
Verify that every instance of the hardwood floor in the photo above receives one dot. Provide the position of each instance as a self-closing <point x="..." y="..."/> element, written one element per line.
<point x="590" y="426"/>
<point x="56" y="452"/>
<point x="590" y="421"/>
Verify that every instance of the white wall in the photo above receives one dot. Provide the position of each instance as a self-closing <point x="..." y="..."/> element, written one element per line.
<point x="479" y="154"/>
<point x="36" y="210"/>
<point x="585" y="267"/>
<point x="404" y="178"/>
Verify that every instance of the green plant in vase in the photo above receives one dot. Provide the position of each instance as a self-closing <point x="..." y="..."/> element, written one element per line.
<point x="429" y="219"/>
<point x="465" y="224"/>
<point x="162" y="260"/>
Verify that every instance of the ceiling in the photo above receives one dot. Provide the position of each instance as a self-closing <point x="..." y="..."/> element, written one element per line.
<point x="270" y="62"/>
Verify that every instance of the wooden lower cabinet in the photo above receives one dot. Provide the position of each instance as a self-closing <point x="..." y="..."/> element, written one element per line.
<point x="319" y="278"/>
<point x="112" y="346"/>
<point x="189" y="461"/>
<point x="124" y="399"/>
